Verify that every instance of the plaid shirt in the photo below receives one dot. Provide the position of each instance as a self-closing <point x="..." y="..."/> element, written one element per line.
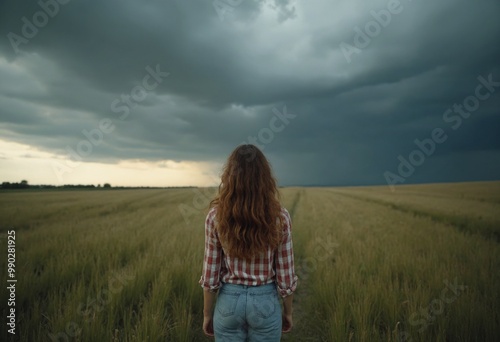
<point x="272" y="266"/>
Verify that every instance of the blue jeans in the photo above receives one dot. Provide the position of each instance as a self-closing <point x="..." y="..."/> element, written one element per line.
<point x="247" y="313"/>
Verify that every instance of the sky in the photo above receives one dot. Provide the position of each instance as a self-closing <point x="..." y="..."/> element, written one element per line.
<point x="158" y="93"/>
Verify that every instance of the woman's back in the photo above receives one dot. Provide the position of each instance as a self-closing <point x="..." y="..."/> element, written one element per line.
<point x="248" y="253"/>
<point x="272" y="265"/>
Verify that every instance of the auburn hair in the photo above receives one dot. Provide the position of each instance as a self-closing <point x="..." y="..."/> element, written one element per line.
<point x="248" y="214"/>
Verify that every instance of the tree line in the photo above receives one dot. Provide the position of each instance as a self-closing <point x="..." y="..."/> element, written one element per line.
<point x="25" y="185"/>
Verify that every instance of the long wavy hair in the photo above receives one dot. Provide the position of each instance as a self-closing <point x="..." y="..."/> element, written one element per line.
<point x="248" y="210"/>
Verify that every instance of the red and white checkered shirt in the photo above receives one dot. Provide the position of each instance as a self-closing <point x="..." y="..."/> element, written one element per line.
<point x="272" y="266"/>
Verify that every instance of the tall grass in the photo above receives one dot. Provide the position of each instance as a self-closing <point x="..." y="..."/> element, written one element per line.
<point x="373" y="265"/>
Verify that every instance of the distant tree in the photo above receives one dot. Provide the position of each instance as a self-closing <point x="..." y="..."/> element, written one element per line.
<point x="98" y="185"/>
<point x="107" y="185"/>
<point x="22" y="185"/>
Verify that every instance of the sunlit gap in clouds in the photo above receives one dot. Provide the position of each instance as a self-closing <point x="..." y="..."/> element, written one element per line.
<point x="24" y="162"/>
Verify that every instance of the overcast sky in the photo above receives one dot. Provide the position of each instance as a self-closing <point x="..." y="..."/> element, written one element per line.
<point x="334" y="92"/>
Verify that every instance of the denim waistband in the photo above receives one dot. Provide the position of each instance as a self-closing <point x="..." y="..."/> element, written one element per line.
<point x="258" y="289"/>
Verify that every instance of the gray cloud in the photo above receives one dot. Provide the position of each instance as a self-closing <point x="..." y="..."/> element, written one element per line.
<point x="352" y="121"/>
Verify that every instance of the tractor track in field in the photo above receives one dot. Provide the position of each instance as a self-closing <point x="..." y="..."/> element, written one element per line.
<point x="295" y="202"/>
<point x="487" y="230"/>
<point x="301" y="317"/>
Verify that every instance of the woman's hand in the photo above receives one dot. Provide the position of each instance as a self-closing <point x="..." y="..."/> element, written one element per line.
<point x="208" y="325"/>
<point x="287" y="323"/>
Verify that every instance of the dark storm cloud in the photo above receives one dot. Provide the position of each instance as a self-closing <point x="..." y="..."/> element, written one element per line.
<point x="228" y="75"/>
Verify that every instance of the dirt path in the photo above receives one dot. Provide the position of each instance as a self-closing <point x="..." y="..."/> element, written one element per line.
<point x="303" y="329"/>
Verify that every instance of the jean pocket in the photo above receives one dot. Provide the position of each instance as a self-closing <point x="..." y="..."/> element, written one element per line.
<point x="265" y="305"/>
<point x="226" y="303"/>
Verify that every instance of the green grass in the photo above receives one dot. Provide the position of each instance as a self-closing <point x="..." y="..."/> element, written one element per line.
<point x="374" y="265"/>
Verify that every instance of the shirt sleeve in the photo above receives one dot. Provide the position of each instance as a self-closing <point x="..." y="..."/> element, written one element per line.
<point x="286" y="279"/>
<point x="210" y="278"/>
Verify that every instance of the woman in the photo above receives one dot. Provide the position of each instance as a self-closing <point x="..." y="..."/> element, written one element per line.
<point x="248" y="254"/>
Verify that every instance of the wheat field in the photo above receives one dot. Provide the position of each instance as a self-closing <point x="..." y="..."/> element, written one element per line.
<point x="421" y="263"/>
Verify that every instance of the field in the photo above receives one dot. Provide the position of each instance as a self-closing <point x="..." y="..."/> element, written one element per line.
<point x="418" y="264"/>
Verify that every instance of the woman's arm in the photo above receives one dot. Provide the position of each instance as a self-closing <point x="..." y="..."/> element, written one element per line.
<point x="211" y="271"/>
<point x="288" y="305"/>
<point x="286" y="278"/>
<point x="208" y="312"/>
<point x="208" y="302"/>
<point x="287" y="314"/>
